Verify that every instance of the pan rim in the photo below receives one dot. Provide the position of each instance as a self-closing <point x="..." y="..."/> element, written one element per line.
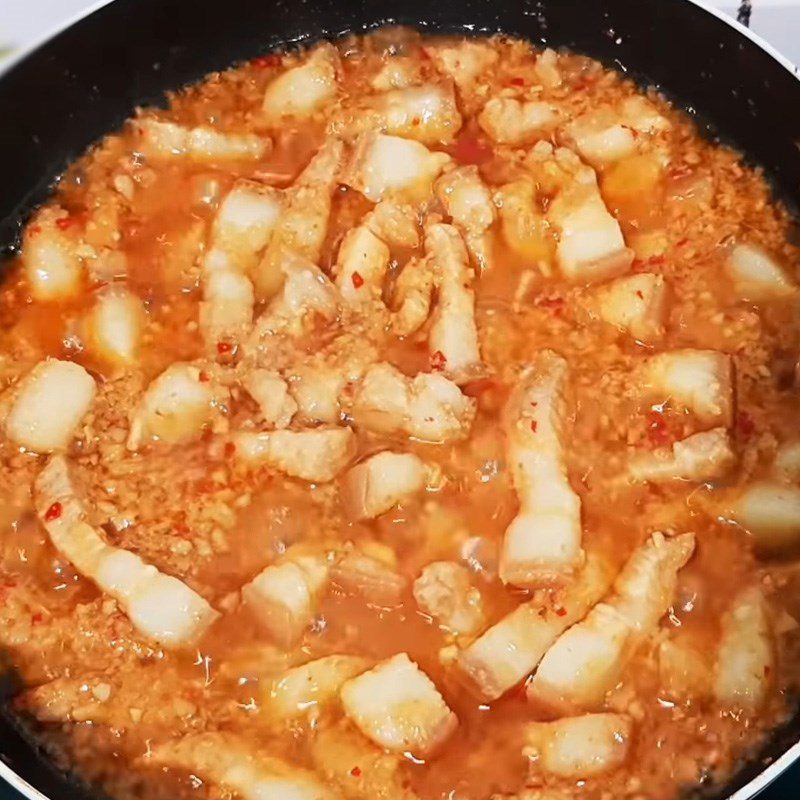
<point x="772" y="771"/>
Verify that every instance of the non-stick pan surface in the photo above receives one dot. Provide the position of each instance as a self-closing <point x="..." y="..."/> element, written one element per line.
<point x="89" y="78"/>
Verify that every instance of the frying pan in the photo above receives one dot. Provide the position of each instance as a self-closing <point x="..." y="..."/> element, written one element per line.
<point x="85" y="80"/>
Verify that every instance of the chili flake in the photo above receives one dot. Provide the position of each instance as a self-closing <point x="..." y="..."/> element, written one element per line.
<point x="230" y="449"/>
<point x="358" y="281"/>
<point x="224" y="348"/>
<point x="438" y="361"/>
<point x="54" y="512"/>
<point x="356" y="772"/>
<point x="517" y="81"/>
<point x="745" y="424"/>
<point x="534" y="425"/>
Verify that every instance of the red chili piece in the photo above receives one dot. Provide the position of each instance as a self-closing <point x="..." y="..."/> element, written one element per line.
<point x="223" y="348"/>
<point x="438" y="361"/>
<point x="356" y="772"/>
<point x="54" y="512"/>
<point x="204" y="377"/>
<point x="230" y="449"/>
<point x="657" y="429"/>
<point x="261" y="62"/>
<point x="65" y="222"/>
<point x="534" y="425"/>
<point x="517" y="81"/>
<point x="745" y="424"/>
<point x="358" y="281"/>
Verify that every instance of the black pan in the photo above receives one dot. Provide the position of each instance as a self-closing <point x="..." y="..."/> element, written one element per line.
<point x="86" y="80"/>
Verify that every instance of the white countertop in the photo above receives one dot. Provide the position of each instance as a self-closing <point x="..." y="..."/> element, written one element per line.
<point x="24" y="21"/>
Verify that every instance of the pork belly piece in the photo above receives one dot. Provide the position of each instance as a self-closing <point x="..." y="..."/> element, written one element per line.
<point x="579" y="747"/>
<point x="316" y="389"/>
<point x="757" y="275"/>
<point x="168" y="140"/>
<point x="428" y="407"/>
<point x="304" y="89"/>
<point x="468" y="201"/>
<point x="515" y="122"/>
<point x="635" y="304"/>
<point x="243" y="226"/>
<point x="50" y="256"/>
<point x="306" y="689"/>
<point x="356" y="767"/>
<point x="591" y="246"/>
<point x="397" y="72"/>
<point x="306" y="291"/>
<point x="700" y="380"/>
<point x="394" y="223"/>
<point x="427" y="113"/>
<point x="389" y="166"/>
<point x="547" y="70"/>
<point x="226" y="312"/>
<point x="683" y="670"/>
<point x="464" y="62"/>
<point x="370" y="575"/>
<point x="413" y="296"/>
<point x="175" y="408"/>
<point x="303" y="223"/>
<point x="381" y="481"/>
<point x="159" y="606"/>
<point x="704" y="456"/>
<point x="444" y="591"/>
<point x="398" y="707"/>
<point x="361" y="266"/>
<point x="113" y="326"/>
<point x="543" y="542"/>
<point x="588" y="659"/>
<point x="509" y="651"/>
<point x="271" y="392"/>
<point x="745" y="662"/>
<point x="239" y="765"/>
<point x="47" y="405"/>
<point x="770" y="512"/>
<point x="523" y="226"/>
<point x="316" y="455"/>
<point x="606" y="135"/>
<point x="787" y="461"/>
<point x="453" y="335"/>
<point x="283" y="597"/>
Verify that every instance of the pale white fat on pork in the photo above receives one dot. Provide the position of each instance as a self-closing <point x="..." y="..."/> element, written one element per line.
<point x="745" y="664"/>
<point x="445" y="592"/>
<point x="453" y="335"/>
<point x="636" y="304"/>
<point x="113" y="326"/>
<point x="361" y="266"/>
<point x="175" y="407"/>
<point x="47" y="405"/>
<point x="307" y="689"/>
<point x="284" y="597"/>
<point x="166" y="140"/>
<point x="381" y="481"/>
<point x="302" y="90"/>
<point x="770" y="512"/>
<point x="242" y="226"/>
<point x="412" y="296"/>
<point x="757" y="275"/>
<point x="509" y="651"/>
<point x="53" y="268"/>
<point x="587" y="660"/>
<point x="699" y="380"/>
<point x="590" y="242"/>
<point x="271" y="392"/>
<point x="316" y="389"/>
<point x="226" y="311"/>
<point x="428" y="407"/>
<point x="160" y="607"/>
<point x="398" y="707"/>
<point x="543" y="542"/>
<point x="390" y="166"/>
<point x="468" y="201"/>
<point x="316" y="455"/>
<point x="303" y="223"/>
<point x="704" y="456"/>
<point x="237" y="765"/>
<point x="464" y="62"/>
<point x="507" y="120"/>
<point x="579" y="747"/>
